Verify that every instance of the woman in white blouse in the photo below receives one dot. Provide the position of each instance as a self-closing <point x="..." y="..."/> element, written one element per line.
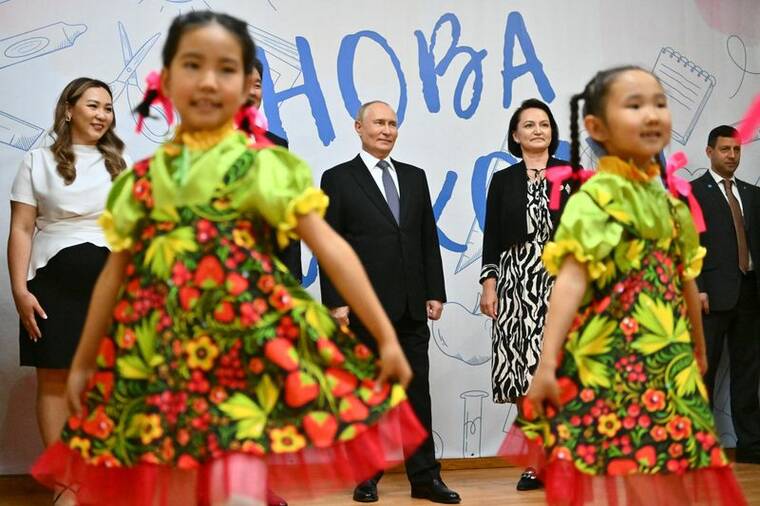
<point x="56" y="248"/>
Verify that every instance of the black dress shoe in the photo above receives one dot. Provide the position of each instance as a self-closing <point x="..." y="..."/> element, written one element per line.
<point x="529" y="481"/>
<point x="275" y="500"/>
<point x="366" y="491"/>
<point x="436" y="491"/>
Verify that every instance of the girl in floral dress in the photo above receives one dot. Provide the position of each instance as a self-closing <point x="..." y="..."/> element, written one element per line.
<point x="205" y="373"/>
<point x="617" y="411"/>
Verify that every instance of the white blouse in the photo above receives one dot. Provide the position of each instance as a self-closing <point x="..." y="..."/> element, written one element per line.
<point x="67" y="215"/>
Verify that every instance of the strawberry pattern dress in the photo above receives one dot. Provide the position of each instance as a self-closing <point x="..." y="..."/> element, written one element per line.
<point x="220" y="375"/>
<point x="634" y="426"/>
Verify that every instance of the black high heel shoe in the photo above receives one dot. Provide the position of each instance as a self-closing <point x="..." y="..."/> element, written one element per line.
<point x="529" y="480"/>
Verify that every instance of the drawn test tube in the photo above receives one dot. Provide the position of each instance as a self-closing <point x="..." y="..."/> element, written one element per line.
<point x="18" y="133"/>
<point x="473" y="422"/>
<point x="38" y="42"/>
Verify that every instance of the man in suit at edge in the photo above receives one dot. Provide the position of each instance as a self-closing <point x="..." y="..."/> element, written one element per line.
<point x="291" y="254"/>
<point x="729" y="285"/>
<point x="382" y="208"/>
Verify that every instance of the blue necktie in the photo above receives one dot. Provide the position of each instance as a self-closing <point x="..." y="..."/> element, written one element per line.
<point x="391" y="193"/>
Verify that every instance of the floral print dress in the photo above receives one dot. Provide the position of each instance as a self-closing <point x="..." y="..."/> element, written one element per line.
<point x="216" y="351"/>
<point x="634" y="425"/>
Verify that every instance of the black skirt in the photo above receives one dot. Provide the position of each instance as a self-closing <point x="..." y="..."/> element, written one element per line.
<point x="63" y="288"/>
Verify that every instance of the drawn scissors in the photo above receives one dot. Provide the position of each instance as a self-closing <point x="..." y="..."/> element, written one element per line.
<point x="158" y="128"/>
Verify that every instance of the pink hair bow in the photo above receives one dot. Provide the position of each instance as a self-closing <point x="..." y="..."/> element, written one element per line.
<point x="681" y="187"/>
<point x="251" y="121"/>
<point x="557" y="177"/>
<point x="154" y="92"/>
<point x="750" y="123"/>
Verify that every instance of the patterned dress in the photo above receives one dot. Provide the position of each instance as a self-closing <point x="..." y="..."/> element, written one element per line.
<point x="219" y="368"/>
<point x="634" y="426"/>
<point x="522" y="288"/>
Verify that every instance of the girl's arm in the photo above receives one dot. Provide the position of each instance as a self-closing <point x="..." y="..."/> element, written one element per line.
<point x="694" y="310"/>
<point x="348" y="276"/>
<point x="23" y="217"/>
<point x="566" y="298"/>
<point x="96" y="325"/>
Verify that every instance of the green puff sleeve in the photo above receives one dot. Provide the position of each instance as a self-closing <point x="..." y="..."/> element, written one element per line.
<point x="587" y="232"/>
<point x="279" y="186"/>
<point x="122" y="213"/>
<point x="687" y="240"/>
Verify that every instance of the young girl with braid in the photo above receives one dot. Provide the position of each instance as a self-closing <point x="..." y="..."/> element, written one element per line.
<point x="617" y="412"/>
<point x="205" y="372"/>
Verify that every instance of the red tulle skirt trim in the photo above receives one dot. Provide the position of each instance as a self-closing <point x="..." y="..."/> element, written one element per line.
<point x="237" y="476"/>
<point x="565" y="485"/>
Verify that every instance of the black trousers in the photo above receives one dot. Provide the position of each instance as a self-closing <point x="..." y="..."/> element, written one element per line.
<point x="414" y="337"/>
<point x="740" y="328"/>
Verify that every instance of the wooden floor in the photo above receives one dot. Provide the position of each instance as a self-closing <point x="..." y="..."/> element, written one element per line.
<point x="476" y="486"/>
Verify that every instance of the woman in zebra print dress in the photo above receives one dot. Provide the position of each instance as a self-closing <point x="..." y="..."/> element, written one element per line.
<point x="515" y="284"/>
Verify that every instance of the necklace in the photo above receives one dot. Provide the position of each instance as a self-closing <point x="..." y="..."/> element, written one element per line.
<point x="537" y="173"/>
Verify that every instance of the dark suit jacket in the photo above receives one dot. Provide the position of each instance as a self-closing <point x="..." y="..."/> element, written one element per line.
<point x="291" y="254"/>
<point x="403" y="260"/>
<point x="506" y="210"/>
<point x="720" y="277"/>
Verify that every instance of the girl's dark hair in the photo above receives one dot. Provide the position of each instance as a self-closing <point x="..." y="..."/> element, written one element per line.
<point x="594" y="97"/>
<point x="197" y="19"/>
<point x="532" y="103"/>
<point x="109" y="145"/>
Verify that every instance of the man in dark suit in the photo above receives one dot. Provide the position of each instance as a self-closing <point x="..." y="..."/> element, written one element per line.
<point x="729" y="284"/>
<point x="291" y="254"/>
<point x="382" y="208"/>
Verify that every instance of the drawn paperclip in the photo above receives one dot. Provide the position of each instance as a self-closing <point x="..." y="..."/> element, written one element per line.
<point x="38" y="42"/>
<point x="156" y="128"/>
<point x="18" y="133"/>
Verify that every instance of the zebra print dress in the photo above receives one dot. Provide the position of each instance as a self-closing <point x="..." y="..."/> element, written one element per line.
<point x="522" y="288"/>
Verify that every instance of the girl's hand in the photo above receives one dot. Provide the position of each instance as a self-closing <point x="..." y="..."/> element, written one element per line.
<point x="393" y="365"/>
<point x="544" y="387"/>
<point x="77" y="382"/>
<point x="27" y="305"/>
<point x="489" y="304"/>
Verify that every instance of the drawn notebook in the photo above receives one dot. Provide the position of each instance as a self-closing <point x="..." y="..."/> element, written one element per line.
<point x="688" y="87"/>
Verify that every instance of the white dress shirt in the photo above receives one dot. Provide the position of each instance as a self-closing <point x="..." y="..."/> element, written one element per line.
<point x="719" y="181"/>
<point x="735" y="190"/>
<point x="67" y="215"/>
<point x="377" y="173"/>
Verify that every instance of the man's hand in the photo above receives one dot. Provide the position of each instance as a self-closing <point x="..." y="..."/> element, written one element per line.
<point x="340" y="314"/>
<point x="434" y="309"/>
<point x="705" y="301"/>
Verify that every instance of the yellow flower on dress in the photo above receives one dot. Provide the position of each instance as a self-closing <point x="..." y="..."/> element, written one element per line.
<point x="563" y="432"/>
<point x="608" y="425"/>
<point x="115" y="240"/>
<point x="201" y="353"/>
<point x="243" y="238"/>
<point x="80" y="444"/>
<point x="148" y="426"/>
<point x="286" y="439"/>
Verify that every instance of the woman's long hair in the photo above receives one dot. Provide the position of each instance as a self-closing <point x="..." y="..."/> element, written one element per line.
<point x="110" y="145"/>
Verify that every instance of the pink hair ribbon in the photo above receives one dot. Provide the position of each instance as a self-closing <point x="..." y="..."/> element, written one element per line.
<point x="251" y="121"/>
<point x="751" y="122"/>
<point x="557" y="177"/>
<point x="681" y="187"/>
<point x="154" y="92"/>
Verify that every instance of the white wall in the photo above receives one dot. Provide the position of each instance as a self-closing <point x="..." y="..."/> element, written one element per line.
<point x="45" y="44"/>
